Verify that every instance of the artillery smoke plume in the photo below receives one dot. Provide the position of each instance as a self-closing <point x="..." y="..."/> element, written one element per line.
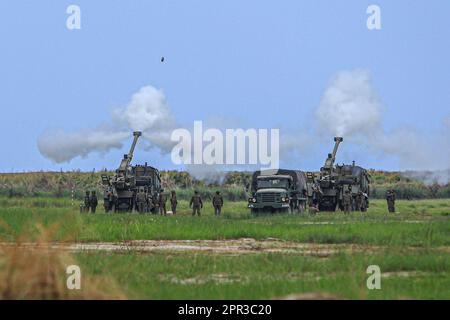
<point x="210" y="174"/>
<point x="350" y="107"/>
<point x="147" y="111"/>
<point x="61" y="146"/>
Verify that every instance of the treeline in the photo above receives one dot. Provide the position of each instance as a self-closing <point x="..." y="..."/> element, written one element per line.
<point x="231" y="184"/>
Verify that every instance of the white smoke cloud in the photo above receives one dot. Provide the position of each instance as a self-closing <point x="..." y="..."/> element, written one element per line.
<point x="441" y="177"/>
<point x="61" y="146"/>
<point x="350" y="107"/>
<point x="147" y="111"/>
<point x="210" y="174"/>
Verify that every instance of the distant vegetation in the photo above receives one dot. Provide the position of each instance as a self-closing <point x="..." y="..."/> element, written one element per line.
<point x="232" y="185"/>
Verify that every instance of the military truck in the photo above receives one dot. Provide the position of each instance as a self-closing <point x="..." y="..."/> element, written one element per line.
<point x="332" y="181"/>
<point x="278" y="191"/>
<point x="120" y="190"/>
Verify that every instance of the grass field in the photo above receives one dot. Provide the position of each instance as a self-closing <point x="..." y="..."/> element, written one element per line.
<point x="412" y="248"/>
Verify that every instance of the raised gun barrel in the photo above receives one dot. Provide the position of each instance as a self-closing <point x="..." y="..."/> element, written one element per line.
<point x="128" y="157"/>
<point x="329" y="162"/>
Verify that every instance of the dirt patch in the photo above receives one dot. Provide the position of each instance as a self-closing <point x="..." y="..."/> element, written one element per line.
<point x="228" y="247"/>
<point x="219" y="278"/>
<point x="233" y="246"/>
<point x="404" y="274"/>
<point x="312" y="223"/>
<point x="238" y="246"/>
<point x="310" y="296"/>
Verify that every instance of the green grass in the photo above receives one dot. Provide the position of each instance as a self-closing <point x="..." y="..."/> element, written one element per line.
<point x="415" y="244"/>
<point x="418" y="223"/>
<point x="424" y="275"/>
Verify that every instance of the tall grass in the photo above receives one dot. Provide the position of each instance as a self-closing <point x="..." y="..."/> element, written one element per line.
<point x="39" y="272"/>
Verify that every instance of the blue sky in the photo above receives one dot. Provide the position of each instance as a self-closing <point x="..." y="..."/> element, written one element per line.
<point x="262" y="64"/>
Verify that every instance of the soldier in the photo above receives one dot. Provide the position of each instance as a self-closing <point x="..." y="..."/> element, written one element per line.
<point x="141" y="200"/>
<point x="294" y="203"/>
<point x="365" y="202"/>
<point x="217" y="202"/>
<point x="87" y="201"/>
<point x="93" y="202"/>
<point x="359" y="198"/>
<point x="107" y="200"/>
<point x="111" y="200"/>
<point x="173" y="202"/>
<point x="352" y="199"/>
<point x="150" y="202"/>
<point x="196" y="203"/>
<point x="347" y="201"/>
<point x="162" y="202"/>
<point x="316" y="195"/>
<point x="390" y="198"/>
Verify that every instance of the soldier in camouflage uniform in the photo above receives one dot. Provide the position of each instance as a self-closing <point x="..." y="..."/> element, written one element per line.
<point x="390" y="198"/>
<point x="316" y="195"/>
<point x="196" y="203"/>
<point x="347" y="201"/>
<point x="93" y="202"/>
<point x="141" y="200"/>
<point x="87" y="201"/>
<point x="359" y="198"/>
<point x="365" y="202"/>
<point x="150" y="203"/>
<point x="173" y="202"/>
<point x="352" y="199"/>
<point x="217" y="202"/>
<point x="162" y="203"/>
<point x="108" y="200"/>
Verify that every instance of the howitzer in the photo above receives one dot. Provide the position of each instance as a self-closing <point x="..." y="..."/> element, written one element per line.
<point x="334" y="181"/>
<point x="329" y="191"/>
<point x="128" y="157"/>
<point x="329" y="162"/>
<point x="128" y="179"/>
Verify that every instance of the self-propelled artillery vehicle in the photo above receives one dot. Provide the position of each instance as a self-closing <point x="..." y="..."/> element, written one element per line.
<point x="333" y="181"/>
<point x="121" y="189"/>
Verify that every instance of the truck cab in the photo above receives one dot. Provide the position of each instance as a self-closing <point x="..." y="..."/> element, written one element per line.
<point x="271" y="194"/>
<point x="276" y="193"/>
